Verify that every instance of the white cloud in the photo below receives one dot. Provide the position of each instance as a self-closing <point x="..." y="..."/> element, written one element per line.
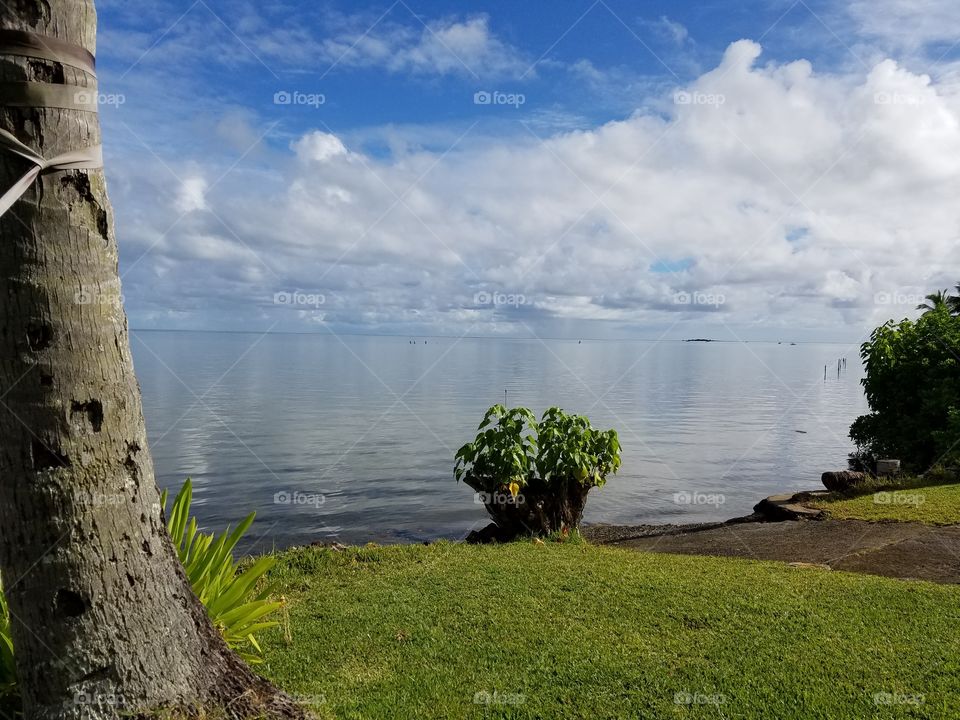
<point x="796" y="198"/>
<point x="440" y="47"/>
<point x="907" y="24"/>
<point x="668" y="29"/>
<point x="319" y="147"/>
<point x="192" y="195"/>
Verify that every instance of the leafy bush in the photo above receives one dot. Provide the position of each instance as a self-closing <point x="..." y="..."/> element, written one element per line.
<point x="9" y="700"/>
<point x="236" y="608"/>
<point x="534" y="477"/>
<point x="912" y="385"/>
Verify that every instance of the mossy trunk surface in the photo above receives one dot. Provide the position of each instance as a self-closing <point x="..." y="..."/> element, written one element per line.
<point x="104" y="620"/>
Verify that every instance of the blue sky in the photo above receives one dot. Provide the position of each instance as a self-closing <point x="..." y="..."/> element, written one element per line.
<point x="599" y="169"/>
<point x="578" y="64"/>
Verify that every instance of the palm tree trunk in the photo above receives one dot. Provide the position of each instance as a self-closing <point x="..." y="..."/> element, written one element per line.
<point x="104" y="620"/>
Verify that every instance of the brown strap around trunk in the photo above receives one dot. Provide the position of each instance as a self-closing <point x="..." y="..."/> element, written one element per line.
<point x="27" y="44"/>
<point x="48" y="95"/>
<point x="89" y="158"/>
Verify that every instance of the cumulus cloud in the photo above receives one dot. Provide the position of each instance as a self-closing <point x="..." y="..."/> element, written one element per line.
<point x="319" y="147"/>
<point x="757" y="194"/>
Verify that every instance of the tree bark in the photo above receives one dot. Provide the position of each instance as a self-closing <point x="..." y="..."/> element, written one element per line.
<point x="104" y="621"/>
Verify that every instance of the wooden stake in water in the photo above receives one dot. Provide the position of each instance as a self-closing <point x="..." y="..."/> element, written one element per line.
<point x="824" y="373"/>
<point x="504" y="397"/>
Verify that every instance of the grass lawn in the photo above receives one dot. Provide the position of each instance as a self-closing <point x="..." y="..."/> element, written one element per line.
<point x="581" y="631"/>
<point x="936" y="505"/>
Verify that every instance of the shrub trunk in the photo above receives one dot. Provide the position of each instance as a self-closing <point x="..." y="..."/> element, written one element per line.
<point x="538" y="509"/>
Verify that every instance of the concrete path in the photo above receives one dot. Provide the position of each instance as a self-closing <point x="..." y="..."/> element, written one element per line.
<point x="902" y="550"/>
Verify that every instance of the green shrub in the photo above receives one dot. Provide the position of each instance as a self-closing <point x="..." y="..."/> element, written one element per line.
<point x="231" y="598"/>
<point x="912" y="385"/>
<point x="534" y="477"/>
<point x="9" y="700"/>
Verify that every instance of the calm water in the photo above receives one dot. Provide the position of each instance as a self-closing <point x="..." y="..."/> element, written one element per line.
<point x="365" y="428"/>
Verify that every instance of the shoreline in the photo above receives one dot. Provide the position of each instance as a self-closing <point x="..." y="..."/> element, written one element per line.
<point x="772" y="509"/>
<point x="782" y="528"/>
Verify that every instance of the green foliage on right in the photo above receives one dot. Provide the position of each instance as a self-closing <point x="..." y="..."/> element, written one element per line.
<point x="236" y="607"/>
<point x="941" y="298"/>
<point x="912" y="385"/>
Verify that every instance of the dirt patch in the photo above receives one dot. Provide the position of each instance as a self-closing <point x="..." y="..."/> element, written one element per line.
<point x="910" y="551"/>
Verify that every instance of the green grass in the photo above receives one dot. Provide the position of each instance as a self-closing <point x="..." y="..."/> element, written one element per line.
<point x="935" y="505"/>
<point x="579" y="631"/>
